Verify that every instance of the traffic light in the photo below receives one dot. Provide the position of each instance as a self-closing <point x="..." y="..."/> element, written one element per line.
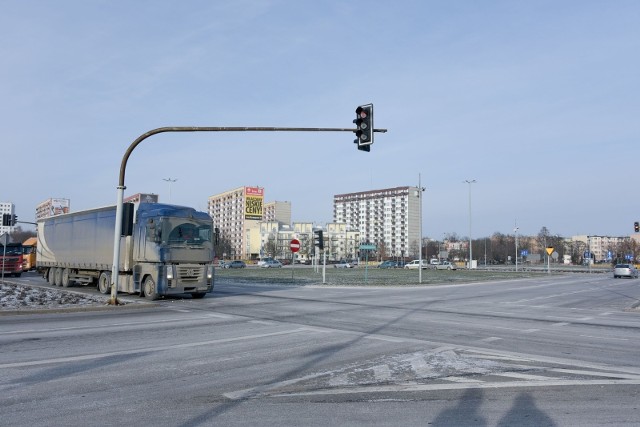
<point x="318" y="240"/>
<point x="6" y="220"/>
<point x="364" y="127"/>
<point x="14" y="219"/>
<point x="636" y="227"/>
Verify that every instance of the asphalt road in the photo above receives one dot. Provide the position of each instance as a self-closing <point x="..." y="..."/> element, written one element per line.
<point x="554" y="350"/>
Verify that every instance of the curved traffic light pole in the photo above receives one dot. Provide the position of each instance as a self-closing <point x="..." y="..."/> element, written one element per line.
<point x="121" y="187"/>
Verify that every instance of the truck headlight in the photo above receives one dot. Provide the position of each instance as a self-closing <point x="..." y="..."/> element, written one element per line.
<point x="170" y="274"/>
<point x="210" y="271"/>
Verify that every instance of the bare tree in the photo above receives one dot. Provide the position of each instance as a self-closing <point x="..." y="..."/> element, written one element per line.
<point x="18" y="235"/>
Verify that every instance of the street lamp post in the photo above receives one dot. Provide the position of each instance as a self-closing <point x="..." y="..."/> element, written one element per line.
<point x="419" y="192"/>
<point x="170" y="181"/>
<point x="470" y="249"/>
<point x="515" y="230"/>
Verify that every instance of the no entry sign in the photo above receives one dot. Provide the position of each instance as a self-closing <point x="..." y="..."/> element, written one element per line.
<point x="294" y="245"/>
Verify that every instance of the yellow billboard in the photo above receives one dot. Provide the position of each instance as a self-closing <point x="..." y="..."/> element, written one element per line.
<point x="253" y="202"/>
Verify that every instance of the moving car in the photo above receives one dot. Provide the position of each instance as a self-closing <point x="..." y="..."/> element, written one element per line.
<point x="446" y="265"/>
<point x="271" y="263"/>
<point x="625" y="270"/>
<point x="235" y="264"/>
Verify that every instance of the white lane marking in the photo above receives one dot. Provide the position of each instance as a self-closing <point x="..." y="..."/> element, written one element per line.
<point x="462" y="380"/>
<point x="522" y="376"/>
<point x="111" y="325"/>
<point x="490" y="339"/>
<point x="451" y="386"/>
<point x="596" y="374"/>
<point x="561" y="324"/>
<point x="147" y="349"/>
<point x="383" y="338"/>
<point x="261" y="322"/>
<point x="604" y="338"/>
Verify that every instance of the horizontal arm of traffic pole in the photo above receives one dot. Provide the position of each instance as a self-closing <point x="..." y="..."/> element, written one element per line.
<point x="144" y="136"/>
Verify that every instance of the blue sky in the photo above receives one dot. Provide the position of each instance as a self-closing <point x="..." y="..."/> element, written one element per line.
<point x="538" y="101"/>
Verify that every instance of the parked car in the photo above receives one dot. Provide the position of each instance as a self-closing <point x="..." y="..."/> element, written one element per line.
<point x="434" y="261"/>
<point x="272" y="263"/>
<point x="264" y="260"/>
<point x="415" y="264"/>
<point x="625" y="270"/>
<point x="343" y="264"/>
<point x="235" y="264"/>
<point x="388" y="264"/>
<point x="446" y="265"/>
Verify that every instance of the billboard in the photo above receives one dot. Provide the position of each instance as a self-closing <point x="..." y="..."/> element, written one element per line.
<point x="253" y="203"/>
<point x="59" y="206"/>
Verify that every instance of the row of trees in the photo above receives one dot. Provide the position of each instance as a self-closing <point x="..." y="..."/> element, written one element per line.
<point x="501" y="248"/>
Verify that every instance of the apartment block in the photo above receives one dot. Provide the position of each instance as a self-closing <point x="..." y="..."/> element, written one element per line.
<point x="388" y="218"/>
<point x="237" y="213"/>
<point x="51" y="207"/>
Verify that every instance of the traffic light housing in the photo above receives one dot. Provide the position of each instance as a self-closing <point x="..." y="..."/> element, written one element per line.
<point x="6" y="220"/>
<point x="364" y="127"/>
<point x="636" y="227"/>
<point x="318" y="239"/>
<point x="14" y="220"/>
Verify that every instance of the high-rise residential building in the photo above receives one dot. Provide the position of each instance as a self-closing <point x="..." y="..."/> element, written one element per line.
<point x="51" y="207"/>
<point x="388" y="218"/>
<point x="7" y="208"/>
<point x="237" y="213"/>
<point x="277" y="211"/>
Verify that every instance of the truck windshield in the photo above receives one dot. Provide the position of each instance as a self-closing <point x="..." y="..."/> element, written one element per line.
<point x="11" y="250"/>
<point x="181" y="231"/>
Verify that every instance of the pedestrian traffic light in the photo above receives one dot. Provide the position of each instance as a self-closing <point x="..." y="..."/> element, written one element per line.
<point x="318" y="240"/>
<point x="6" y="220"/>
<point x="364" y="127"/>
<point x="636" y="227"/>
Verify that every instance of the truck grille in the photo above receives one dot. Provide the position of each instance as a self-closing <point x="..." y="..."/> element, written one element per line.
<point x="194" y="273"/>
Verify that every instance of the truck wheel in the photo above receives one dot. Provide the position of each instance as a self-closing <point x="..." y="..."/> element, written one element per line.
<point x="58" y="276"/>
<point x="149" y="288"/>
<point x="66" y="282"/>
<point x="104" y="283"/>
<point x="51" y="276"/>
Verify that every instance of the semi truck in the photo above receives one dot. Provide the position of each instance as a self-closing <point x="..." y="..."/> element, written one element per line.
<point x="11" y="259"/>
<point x="164" y="250"/>
<point x="29" y="254"/>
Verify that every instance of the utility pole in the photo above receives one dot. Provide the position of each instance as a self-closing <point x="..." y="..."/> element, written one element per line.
<point x="470" y="241"/>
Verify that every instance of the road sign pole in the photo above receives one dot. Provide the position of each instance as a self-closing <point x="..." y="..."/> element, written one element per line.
<point x="324" y="267"/>
<point x="294" y="245"/>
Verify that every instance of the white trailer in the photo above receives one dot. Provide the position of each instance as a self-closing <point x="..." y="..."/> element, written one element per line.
<point x="169" y="250"/>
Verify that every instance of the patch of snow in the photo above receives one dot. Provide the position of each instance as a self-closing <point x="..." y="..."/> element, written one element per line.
<point x="20" y="297"/>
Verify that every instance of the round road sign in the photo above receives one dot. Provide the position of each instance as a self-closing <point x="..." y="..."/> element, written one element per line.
<point x="294" y="245"/>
